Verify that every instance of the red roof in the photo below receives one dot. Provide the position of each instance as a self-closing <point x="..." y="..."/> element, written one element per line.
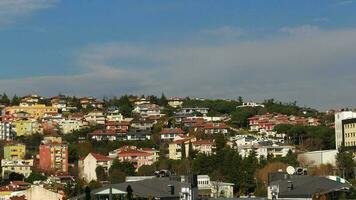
<point x="215" y="126"/>
<point x="101" y="132"/>
<point x="132" y="152"/>
<point x="100" y="157"/>
<point x="180" y="141"/>
<point x="18" y="198"/>
<point x="172" y="131"/>
<point x="202" y="142"/>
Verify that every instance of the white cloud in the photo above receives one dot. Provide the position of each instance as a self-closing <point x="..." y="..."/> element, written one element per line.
<point x="314" y="69"/>
<point x="346" y="2"/>
<point x="304" y="29"/>
<point x="226" y="32"/>
<point x="321" y="19"/>
<point x="11" y="10"/>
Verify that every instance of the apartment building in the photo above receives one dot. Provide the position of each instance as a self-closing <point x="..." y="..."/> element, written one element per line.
<point x="36" y="111"/>
<point x="339" y="127"/>
<point x="14" y="152"/>
<point x="23" y="167"/>
<point x="53" y="157"/>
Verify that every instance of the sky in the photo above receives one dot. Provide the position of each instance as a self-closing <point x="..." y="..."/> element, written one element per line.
<point x="298" y="50"/>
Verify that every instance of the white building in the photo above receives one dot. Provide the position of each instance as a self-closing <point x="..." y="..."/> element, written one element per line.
<point x="251" y="104"/>
<point x="70" y="125"/>
<point x="95" y="117"/>
<point x="264" y="151"/>
<point x="6" y="131"/>
<point x="339" y="116"/>
<point x="18" y="166"/>
<point x="147" y="110"/>
<point x="316" y="158"/>
<point x="175" y="102"/>
<point x="214" y="189"/>
<point x="91" y="162"/>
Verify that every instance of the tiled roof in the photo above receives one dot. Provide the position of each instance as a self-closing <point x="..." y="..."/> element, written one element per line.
<point x="100" y="157"/>
<point x="172" y="131"/>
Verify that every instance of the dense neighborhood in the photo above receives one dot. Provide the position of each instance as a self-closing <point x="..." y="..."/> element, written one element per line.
<point x="83" y="147"/>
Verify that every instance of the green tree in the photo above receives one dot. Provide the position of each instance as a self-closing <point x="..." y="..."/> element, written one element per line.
<point x="345" y="163"/>
<point x="34" y="176"/>
<point x="146" y="170"/>
<point x="100" y="173"/>
<point x="220" y="142"/>
<point x="15" y="100"/>
<point x="94" y="185"/>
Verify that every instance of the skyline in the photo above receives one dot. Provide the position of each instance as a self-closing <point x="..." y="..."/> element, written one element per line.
<point x="288" y="50"/>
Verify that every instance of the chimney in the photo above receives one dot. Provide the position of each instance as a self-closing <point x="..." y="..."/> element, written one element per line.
<point x="290" y="185"/>
<point x="171" y="187"/>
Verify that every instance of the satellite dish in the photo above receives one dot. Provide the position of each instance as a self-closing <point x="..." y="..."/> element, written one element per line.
<point x="290" y="170"/>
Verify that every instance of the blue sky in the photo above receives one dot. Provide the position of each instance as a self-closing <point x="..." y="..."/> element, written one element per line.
<point x="290" y="50"/>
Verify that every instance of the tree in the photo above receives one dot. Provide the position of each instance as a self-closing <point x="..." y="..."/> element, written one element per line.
<point x="5" y="99"/>
<point x="87" y="193"/>
<point x="116" y="176"/>
<point x="34" y="176"/>
<point x="13" y="176"/>
<point x="146" y="170"/>
<point x="15" y="100"/>
<point x="100" y="173"/>
<point x="183" y="150"/>
<point x="220" y="142"/>
<point x="345" y="163"/>
<point x="163" y="100"/>
<point x="94" y="185"/>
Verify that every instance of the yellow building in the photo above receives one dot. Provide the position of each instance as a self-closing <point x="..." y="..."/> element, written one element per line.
<point x="27" y="127"/>
<point x="36" y="111"/>
<point x="349" y="132"/>
<point x="175" y="149"/>
<point x="14" y="152"/>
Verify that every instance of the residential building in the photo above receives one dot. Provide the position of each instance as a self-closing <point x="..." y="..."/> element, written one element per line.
<point x="27" y="127"/>
<point x="69" y="125"/>
<point x="265" y="150"/>
<point x="168" y="134"/>
<point x="192" y="110"/>
<point x="156" y="188"/>
<point x="53" y="157"/>
<point x="141" y="101"/>
<point x="23" y="167"/>
<point x="203" y="146"/>
<point x="349" y="133"/>
<point x="142" y="123"/>
<point x="117" y="126"/>
<point x="6" y="131"/>
<point x="95" y="117"/>
<point x="316" y="158"/>
<point x="91" y="162"/>
<point x="138" y="134"/>
<point x="175" y="102"/>
<point x="106" y="135"/>
<point x="36" y="111"/>
<point x="176" y="149"/>
<point x="147" y="110"/>
<point x="36" y="192"/>
<point x="216" y="128"/>
<point x="214" y="189"/>
<point x="113" y="114"/>
<point x="14" y="151"/>
<point x="251" y="104"/>
<point x="30" y="100"/>
<point x="266" y="123"/>
<point x="92" y="102"/>
<point x="284" y="186"/>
